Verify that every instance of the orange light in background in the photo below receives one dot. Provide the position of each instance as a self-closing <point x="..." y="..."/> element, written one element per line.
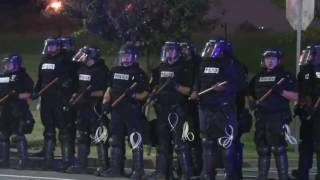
<point x="54" y="6"/>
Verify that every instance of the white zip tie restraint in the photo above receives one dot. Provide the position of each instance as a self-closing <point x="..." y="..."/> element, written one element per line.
<point x="101" y="135"/>
<point x="226" y="141"/>
<point x="135" y="143"/>
<point x="186" y="135"/>
<point x="173" y="122"/>
<point x="287" y="133"/>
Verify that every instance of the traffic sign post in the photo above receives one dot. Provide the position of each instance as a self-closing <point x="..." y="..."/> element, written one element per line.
<point x="300" y="14"/>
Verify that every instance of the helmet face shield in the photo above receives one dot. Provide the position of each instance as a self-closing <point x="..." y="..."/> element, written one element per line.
<point x="66" y="43"/>
<point x="10" y="64"/>
<point x="126" y="59"/>
<point x="208" y="49"/>
<point x="170" y="53"/>
<point x="80" y="56"/>
<point x="51" y="46"/>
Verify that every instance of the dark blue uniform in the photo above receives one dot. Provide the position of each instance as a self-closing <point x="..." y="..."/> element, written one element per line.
<point x="171" y="111"/>
<point x="217" y="113"/>
<point x="88" y="110"/>
<point x="126" y="117"/>
<point x="15" y="115"/>
<point x="52" y="102"/>
<point x="272" y="114"/>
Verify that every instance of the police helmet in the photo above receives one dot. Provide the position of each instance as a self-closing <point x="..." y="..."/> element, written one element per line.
<point x="51" y="46"/>
<point x="217" y="48"/>
<point x="170" y="52"/>
<point x="276" y="53"/>
<point x="127" y="54"/>
<point x="66" y="42"/>
<point x="187" y="49"/>
<point x="12" y="63"/>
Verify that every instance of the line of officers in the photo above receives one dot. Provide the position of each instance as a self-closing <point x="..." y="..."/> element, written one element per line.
<point x="201" y="106"/>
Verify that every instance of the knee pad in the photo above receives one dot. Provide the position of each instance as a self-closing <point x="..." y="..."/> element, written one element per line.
<point x="163" y="149"/>
<point x="49" y="136"/>
<point x="82" y="137"/>
<point x="64" y="136"/>
<point x="264" y="151"/>
<point x="115" y="141"/>
<point x="278" y="150"/>
<point x="208" y="143"/>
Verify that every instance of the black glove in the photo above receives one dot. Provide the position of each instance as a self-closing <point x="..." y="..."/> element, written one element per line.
<point x="34" y="96"/>
<point x="310" y="110"/>
<point x="173" y="83"/>
<point x="14" y="94"/>
<point x="253" y="105"/>
<point x="106" y="108"/>
<point x="87" y="94"/>
<point x="277" y="89"/>
<point x="129" y="92"/>
<point x="28" y="126"/>
<point x="299" y="111"/>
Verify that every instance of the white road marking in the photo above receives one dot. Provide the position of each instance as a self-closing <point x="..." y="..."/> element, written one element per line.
<point x="33" y="177"/>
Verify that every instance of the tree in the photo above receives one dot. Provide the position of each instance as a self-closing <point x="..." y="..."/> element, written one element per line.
<point x="144" y="22"/>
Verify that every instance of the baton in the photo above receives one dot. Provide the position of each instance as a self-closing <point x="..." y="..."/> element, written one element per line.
<point x="267" y="94"/>
<point x="157" y="91"/>
<point x="119" y="99"/>
<point x="7" y="96"/>
<point x="315" y="106"/>
<point x="210" y="89"/>
<point x="47" y="86"/>
<point x="75" y="99"/>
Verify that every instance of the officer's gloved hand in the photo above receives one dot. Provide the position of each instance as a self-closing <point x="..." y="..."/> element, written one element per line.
<point x="277" y="89"/>
<point x="14" y="95"/>
<point x="87" y="94"/>
<point x="28" y="126"/>
<point x="129" y="92"/>
<point x="174" y="84"/>
<point x="253" y="105"/>
<point x="310" y="110"/>
<point x="194" y="96"/>
<point x="34" y="96"/>
<point x="106" y="107"/>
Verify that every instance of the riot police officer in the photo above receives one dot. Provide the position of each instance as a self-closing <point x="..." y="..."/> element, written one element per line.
<point x="16" y="87"/>
<point x="307" y="110"/>
<point x="272" y="112"/>
<point x="175" y="80"/>
<point x="92" y="78"/>
<point x="217" y="111"/>
<point x="189" y="54"/>
<point x="54" y="87"/>
<point x="129" y="79"/>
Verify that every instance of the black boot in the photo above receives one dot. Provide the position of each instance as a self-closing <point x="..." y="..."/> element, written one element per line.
<point x="209" y="160"/>
<point x="185" y="164"/>
<point x="66" y="156"/>
<point x="161" y="172"/>
<point x="230" y="163"/>
<point x="102" y="150"/>
<point x="263" y="162"/>
<point x="239" y="160"/>
<point x="137" y="166"/>
<point x="116" y="164"/>
<point x="5" y="154"/>
<point x="22" y="148"/>
<point x="305" y="160"/>
<point x="49" y="145"/>
<point x="82" y="160"/>
<point x="281" y="158"/>
<point x="196" y="154"/>
<point x="317" y="177"/>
